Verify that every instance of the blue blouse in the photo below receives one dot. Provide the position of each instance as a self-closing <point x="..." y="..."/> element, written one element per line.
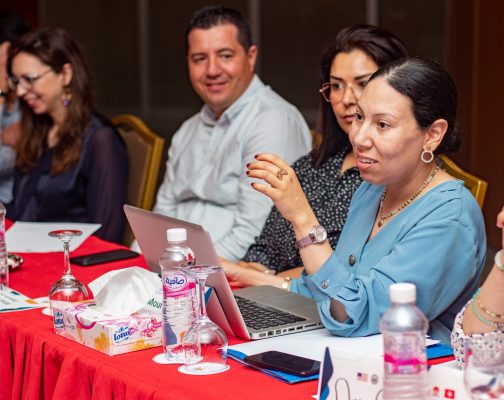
<point x="438" y="243"/>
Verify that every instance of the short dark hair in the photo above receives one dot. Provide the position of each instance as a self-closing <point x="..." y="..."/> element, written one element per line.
<point x="210" y="16"/>
<point x="432" y="93"/>
<point x="12" y="26"/>
<point x="379" y="44"/>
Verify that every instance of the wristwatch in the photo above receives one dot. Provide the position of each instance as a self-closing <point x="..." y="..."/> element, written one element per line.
<point x="318" y="234"/>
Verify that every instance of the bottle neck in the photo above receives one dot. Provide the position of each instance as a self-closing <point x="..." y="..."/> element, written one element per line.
<point x="401" y="303"/>
<point x="181" y="243"/>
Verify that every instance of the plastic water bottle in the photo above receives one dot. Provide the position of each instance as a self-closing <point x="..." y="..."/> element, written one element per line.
<point x="4" y="266"/>
<point x="404" y="328"/>
<point x="180" y="304"/>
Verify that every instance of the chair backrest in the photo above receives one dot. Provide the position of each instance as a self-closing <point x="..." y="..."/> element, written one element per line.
<point x="475" y="185"/>
<point x="145" y="152"/>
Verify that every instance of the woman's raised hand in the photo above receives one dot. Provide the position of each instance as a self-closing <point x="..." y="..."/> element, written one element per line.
<point x="282" y="186"/>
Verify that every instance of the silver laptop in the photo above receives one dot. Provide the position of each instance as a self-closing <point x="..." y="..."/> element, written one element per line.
<point x="249" y="313"/>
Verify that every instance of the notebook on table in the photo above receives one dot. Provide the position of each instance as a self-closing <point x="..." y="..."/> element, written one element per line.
<point x="249" y="313"/>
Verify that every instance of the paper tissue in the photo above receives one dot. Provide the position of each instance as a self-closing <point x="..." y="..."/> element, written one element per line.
<point x="126" y="316"/>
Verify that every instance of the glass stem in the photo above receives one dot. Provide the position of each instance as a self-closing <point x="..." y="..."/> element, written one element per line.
<point x="66" y="257"/>
<point x="202" y="305"/>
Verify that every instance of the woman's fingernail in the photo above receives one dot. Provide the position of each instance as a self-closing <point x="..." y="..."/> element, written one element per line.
<point x="248" y="165"/>
<point x="247" y="172"/>
<point x="252" y="184"/>
<point x="257" y="155"/>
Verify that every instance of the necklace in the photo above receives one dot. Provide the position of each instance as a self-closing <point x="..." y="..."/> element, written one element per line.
<point x="383" y="218"/>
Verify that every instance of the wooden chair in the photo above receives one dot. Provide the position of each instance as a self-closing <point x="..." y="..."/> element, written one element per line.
<point x="474" y="184"/>
<point x="145" y="152"/>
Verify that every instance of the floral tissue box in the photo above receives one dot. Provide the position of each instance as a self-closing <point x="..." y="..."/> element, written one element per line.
<point x="106" y="333"/>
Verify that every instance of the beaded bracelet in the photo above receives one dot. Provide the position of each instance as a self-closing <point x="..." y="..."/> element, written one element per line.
<point x="497" y="260"/>
<point x="485" y="310"/>
<point x="498" y="325"/>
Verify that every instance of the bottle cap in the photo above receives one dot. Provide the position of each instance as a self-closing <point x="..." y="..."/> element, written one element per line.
<point x="176" y="235"/>
<point x="402" y="293"/>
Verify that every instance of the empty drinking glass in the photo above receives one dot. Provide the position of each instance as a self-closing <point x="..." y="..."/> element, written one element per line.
<point x="67" y="289"/>
<point x="484" y="370"/>
<point x="205" y="343"/>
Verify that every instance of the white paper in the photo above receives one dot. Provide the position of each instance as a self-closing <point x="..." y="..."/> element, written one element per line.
<point x="312" y="344"/>
<point x="10" y="300"/>
<point x="33" y="237"/>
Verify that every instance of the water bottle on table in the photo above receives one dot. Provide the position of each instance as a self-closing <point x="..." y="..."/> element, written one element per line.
<point x="404" y="328"/>
<point x="179" y="294"/>
<point x="4" y="265"/>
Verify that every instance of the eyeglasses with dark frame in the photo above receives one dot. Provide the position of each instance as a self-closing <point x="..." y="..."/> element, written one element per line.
<point x="26" y="81"/>
<point x="333" y="91"/>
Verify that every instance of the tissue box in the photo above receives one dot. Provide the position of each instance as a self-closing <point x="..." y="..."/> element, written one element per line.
<point x="108" y="334"/>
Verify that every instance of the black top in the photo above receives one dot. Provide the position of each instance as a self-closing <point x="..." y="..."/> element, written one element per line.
<point x="93" y="191"/>
<point x="329" y="195"/>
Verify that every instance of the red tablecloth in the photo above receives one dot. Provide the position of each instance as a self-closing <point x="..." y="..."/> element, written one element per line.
<point x="35" y="363"/>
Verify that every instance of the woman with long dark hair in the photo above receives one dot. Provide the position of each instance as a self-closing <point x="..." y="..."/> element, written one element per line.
<point x="72" y="163"/>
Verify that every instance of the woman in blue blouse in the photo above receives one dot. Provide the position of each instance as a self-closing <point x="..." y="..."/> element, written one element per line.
<point x="72" y="163"/>
<point x="408" y="222"/>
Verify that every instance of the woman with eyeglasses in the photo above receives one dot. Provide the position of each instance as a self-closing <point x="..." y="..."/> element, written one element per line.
<point x="409" y="221"/>
<point x="327" y="175"/>
<point x="72" y="163"/>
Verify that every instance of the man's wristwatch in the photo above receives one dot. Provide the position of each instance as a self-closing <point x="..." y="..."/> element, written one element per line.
<point x="318" y="234"/>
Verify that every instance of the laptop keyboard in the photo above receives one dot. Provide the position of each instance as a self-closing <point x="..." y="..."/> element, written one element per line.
<point x="257" y="316"/>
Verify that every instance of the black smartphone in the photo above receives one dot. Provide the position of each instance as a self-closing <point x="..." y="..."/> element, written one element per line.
<point x="104" y="257"/>
<point x="284" y="362"/>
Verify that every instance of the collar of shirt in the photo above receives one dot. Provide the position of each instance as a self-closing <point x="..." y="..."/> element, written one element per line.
<point x="208" y="116"/>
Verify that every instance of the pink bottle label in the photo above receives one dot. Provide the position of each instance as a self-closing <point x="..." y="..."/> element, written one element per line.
<point x="405" y="354"/>
<point x="404" y="366"/>
<point x="177" y="284"/>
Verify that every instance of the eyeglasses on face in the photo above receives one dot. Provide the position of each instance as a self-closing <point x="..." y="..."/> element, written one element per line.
<point x="26" y="81"/>
<point x="333" y="91"/>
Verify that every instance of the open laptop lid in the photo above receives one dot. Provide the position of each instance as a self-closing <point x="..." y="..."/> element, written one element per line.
<point x="150" y="228"/>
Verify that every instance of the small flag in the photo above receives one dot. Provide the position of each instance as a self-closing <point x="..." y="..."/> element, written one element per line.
<point x="361" y="376"/>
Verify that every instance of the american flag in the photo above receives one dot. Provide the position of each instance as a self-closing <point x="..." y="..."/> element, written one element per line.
<point x="361" y="376"/>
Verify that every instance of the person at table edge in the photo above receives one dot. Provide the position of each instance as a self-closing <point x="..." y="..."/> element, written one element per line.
<point x="71" y="164"/>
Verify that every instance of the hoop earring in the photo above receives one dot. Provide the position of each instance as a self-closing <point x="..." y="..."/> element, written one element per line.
<point x="67" y="96"/>
<point x="431" y="156"/>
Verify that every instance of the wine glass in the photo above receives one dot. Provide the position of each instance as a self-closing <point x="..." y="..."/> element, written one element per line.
<point x="484" y="370"/>
<point x="205" y="343"/>
<point x="67" y="289"/>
